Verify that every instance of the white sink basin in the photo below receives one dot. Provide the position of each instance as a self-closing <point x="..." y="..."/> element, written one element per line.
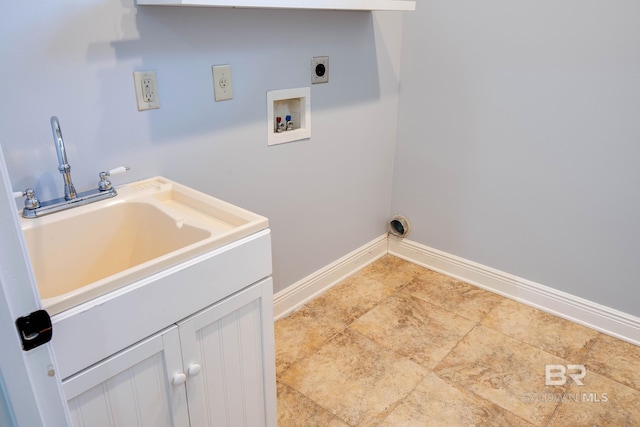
<point x="88" y="251"/>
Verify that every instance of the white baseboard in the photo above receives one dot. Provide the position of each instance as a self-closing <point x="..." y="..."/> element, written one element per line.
<point x="579" y="310"/>
<point x="576" y="309"/>
<point x="308" y="288"/>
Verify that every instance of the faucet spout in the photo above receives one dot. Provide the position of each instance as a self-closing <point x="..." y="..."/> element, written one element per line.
<point x="63" y="164"/>
<point x="34" y="208"/>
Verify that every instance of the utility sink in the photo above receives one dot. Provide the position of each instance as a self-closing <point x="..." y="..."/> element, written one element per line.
<point x="151" y="225"/>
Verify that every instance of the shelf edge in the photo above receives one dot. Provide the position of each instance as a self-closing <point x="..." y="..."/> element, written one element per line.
<point x="355" y="5"/>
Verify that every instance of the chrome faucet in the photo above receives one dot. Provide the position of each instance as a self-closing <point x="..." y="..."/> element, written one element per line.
<point x="63" y="164"/>
<point x="33" y="208"/>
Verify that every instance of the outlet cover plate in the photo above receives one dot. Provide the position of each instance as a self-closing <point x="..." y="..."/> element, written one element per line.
<point x="222" y="86"/>
<point x="146" y="86"/>
<point x="319" y="69"/>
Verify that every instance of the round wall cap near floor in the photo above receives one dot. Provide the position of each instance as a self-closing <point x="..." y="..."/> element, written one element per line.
<point x="399" y="226"/>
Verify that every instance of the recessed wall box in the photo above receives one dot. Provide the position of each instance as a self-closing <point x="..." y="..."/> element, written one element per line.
<point x="288" y="115"/>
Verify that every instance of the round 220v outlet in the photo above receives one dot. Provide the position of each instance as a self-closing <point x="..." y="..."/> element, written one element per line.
<point x="319" y="69"/>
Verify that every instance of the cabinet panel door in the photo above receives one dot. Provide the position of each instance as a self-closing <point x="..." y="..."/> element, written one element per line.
<point x="132" y="388"/>
<point x="232" y="342"/>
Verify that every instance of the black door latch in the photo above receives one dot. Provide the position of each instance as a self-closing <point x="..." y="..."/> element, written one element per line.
<point x="34" y="329"/>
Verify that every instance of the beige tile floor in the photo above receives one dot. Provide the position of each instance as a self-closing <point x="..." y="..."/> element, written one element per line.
<point x="399" y="345"/>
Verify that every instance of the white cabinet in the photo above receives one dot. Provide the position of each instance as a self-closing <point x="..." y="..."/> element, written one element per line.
<point x="233" y="344"/>
<point x="132" y="388"/>
<point x="216" y="367"/>
<point x="192" y="345"/>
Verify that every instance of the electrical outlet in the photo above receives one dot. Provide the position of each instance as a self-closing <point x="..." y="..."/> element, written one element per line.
<point x="148" y="94"/>
<point x="222" y="87"/>
<point x="146" y="86"/>
<point x="319" y="69"/>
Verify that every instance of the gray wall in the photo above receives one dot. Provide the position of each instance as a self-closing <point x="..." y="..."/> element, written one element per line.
<point x="6" y="417"/>
<point x="519" y="140"/>
<point x="517" y="135"/>
<point x="324" y="197"/>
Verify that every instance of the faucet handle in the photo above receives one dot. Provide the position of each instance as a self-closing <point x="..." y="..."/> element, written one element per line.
<point x="31" y="202"/>
<point x="105" y="184"/>
<point x="118" y="170"/>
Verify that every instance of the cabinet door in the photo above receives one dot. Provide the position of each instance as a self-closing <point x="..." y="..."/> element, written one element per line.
<point x="132" y="388"/>
<point x="230" y="349"/>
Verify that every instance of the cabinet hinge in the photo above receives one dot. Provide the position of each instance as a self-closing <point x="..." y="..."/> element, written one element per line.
<point x="34" y="329"/>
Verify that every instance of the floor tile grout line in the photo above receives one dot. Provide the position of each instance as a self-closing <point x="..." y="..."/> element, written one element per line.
<point x="400" y="401"/>
<point x="397" y="356"/>
<point x="524" y="342"/>
<point x="314" y="350"/>
<point x="602" y="374"/>
<point x="454" y="347"/>
<point x="484" y="316"/>
<point x="312" y="400"/>
<point x="480" y="397"/>
<point x="478" y="325"/>
<point x="318" y="313"/>
<point x="496" y="307"/>
<point x="476" y="395"/>
<point x="555" y="410"/>
<point x="400" y="354"/>
<point x="570" y="381"/>
<point x="327" y="410"/>
<point x="310" y="353"/>
<point x="441" y="307"/>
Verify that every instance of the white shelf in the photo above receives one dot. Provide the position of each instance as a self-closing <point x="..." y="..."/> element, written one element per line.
<point x="365" y="5"/>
